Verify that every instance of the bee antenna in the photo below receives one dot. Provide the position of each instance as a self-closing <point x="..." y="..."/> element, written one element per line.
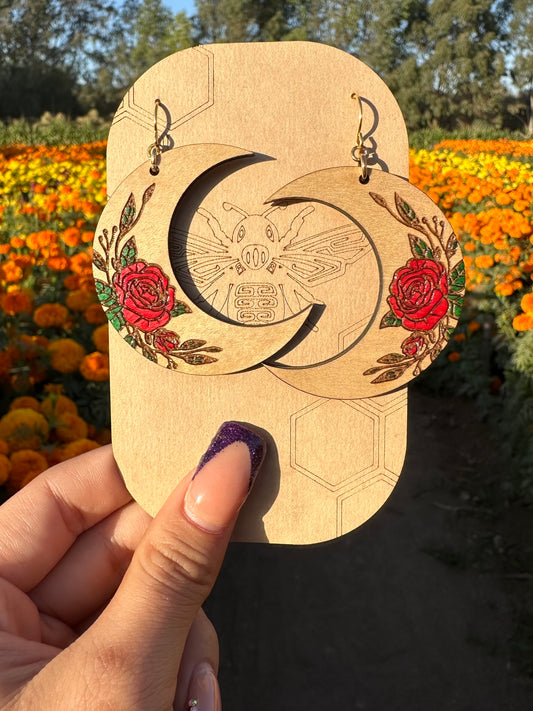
<point x="230" y="206"/>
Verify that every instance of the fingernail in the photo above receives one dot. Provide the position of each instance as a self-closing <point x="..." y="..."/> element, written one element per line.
<point x="224" y="477"/>
<point x="203" y="690"/>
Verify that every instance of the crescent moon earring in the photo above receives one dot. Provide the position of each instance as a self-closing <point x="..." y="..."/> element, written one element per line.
<point x="135" y="282"/>
<point x="422" y="278"/>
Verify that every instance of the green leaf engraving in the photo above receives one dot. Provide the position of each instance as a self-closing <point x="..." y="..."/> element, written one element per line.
<point x="419" y="248"/>
<point x="102" y="289"/>
<point x="456" y="281"/>
<point x="128" y="254"/>
<point x="99" y="261"/>
<point x="391" y="358"/>
<point x="405" y="210"/>
<point x="180" y="308"/>
<point x="390" y="320"/>
<point x="388" y="375"/>
<point x="131" y="340"/>
<point x="128" y="214"/>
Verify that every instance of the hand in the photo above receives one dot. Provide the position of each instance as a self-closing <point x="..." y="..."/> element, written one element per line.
<point x="100" y="606"/>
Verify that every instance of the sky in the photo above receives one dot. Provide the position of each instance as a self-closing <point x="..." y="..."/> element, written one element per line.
<point x="179" y="5"/>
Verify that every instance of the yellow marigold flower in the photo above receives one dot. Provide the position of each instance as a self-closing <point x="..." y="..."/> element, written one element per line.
<point x="50" y="315"/>
<point x="24" y="429"/>
<point x="71" y="427"/>
<point x="101" y="338"/>
<point x="95" y="366"/>
<point x="5" y="468"/>
<point x="16" y="302"/>
<point x="523" y="322"/>
<point x="25" y="463"/>
<point x="80" y="299"/>
<point x="55" y="405"/>
<point x="453" y="357"/>
<point x="25" y="401"/>
<point x="66" y="355"/>
<point x="94" y="314"/>
<point x="527" y="303"/>
<point x="484" y="261"/>
<point x="74" y="449"/>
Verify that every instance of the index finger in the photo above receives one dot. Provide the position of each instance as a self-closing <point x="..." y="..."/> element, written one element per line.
<point x="41" y="522"/>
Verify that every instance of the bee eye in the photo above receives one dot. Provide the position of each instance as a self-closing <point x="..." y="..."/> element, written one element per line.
<point x="269" y="233"/>
<point x="241" y="232"/>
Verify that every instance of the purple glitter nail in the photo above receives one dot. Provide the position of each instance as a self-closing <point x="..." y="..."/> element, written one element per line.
<point x="229" y="433"/>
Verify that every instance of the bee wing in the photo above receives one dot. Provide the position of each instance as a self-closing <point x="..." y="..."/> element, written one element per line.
<point x="319" y="258"/>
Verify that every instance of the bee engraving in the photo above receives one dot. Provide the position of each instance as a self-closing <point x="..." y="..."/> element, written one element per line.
<point x="259" y="274"/>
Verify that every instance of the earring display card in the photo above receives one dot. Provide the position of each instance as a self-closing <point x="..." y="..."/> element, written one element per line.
<point x="278" y="279"/>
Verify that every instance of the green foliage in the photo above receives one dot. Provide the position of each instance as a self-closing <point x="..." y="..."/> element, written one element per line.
<point x="54" y="130"/>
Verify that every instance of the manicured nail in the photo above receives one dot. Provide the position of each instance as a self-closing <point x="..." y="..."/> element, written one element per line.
<point x="224" y="477"/>
<point x="203" y="690"/>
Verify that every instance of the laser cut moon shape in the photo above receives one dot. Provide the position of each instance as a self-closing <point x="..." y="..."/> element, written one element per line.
<point x="136" y="285"/>
<point x="421" y="289"/>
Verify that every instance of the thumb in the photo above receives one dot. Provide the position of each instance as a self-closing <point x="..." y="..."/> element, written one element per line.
<point x="146" y="624"/>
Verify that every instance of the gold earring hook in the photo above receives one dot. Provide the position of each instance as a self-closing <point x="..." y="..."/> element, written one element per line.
<point x="154" y="149"/>
<point x="359" y="153"/>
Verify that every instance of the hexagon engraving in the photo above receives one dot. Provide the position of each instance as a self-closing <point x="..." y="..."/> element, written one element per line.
<point x="319" y="429"/>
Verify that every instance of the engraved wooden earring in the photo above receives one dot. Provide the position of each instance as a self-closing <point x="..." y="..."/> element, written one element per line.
<point x="422" y="279"/>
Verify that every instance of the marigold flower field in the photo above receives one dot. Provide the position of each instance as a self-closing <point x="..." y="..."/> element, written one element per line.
<point x="54" y="365"/>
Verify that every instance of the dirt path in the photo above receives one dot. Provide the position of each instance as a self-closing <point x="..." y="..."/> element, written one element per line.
<point x="379" y="620"/>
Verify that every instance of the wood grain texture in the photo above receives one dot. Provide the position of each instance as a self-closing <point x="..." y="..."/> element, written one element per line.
<point x="332" y="460"/>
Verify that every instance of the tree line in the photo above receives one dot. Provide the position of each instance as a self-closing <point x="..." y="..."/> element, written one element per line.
<point x="450" y="63"/>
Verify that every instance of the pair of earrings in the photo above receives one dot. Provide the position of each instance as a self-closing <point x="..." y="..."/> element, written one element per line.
<point x="422" y="276"/>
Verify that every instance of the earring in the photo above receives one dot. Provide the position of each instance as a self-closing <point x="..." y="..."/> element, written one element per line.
<point x="132" y="272"/>
<point x="422" y="278"/>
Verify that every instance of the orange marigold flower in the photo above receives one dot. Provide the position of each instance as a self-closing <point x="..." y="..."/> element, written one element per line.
<point x="453" y="356"/>
<point x="55" y="404"/>
<point x="95" y="315"/>
<point x="5" y="468"/>
<point x="527" y="303"/>
<point x="71" y="237"/>
<point x="49" y="315"/>
<point x="16" y="302"/>
<point x="459" y="337"/>
<point x="71" y="282"/>
<point x="101" y="338"/>
<point x="11" y="272"/>
<point x="31" y="347"/>
<point x="24" y="429"/>
<point x="469" y="246"/>
<point x="87" y="237"/>
<point x="503" y="199"/>
<point x="484" y="261"/>
<point x="95" y="366"/>
<point x="520" y="205"/>
<point x="58" y="264"/>
<point x="25" y="401"/>
<point x="80" y="299"/>
<point x="473" y="326"/>
<point x="66" y="355"/>
<point x="4" y="248"/>
<point x="503" y="289"/>
<point x="71" y="427"/>
<point x="17" y="242"/>
<point x="80" y="262"/>
<point x="25" y="463"/>
<point x="4" y="449"/>
<point x="523" y="322"/>
<point x="79" y="446"/>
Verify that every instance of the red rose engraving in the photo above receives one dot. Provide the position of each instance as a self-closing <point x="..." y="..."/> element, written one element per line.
<point x="166" y="341"/>
<point x="418" y="294"/>
<point x="145" y="295"/>
<point x="413" y="346"/>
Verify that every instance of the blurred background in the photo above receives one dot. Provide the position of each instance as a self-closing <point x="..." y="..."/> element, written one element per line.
<point x="429" y="605"/>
